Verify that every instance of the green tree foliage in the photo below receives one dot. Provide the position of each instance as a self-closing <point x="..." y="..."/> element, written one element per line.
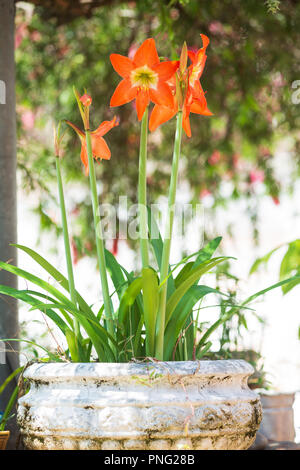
<point x="253" y="59"/>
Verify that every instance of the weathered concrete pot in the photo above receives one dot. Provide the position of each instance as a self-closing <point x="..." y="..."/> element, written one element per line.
<point x="278" y="416"/>
<point x="166" y="405"/>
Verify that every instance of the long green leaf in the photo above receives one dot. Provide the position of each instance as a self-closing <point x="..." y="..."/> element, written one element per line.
<point x="129" y="298"/>
<point x="49" y="299"/>
<point x="10" y="378"/>
<point x="25" y="297"/>
<point x="59" y="277"/>
<point x="206" y="252"/>
<point x="51" y="356"/>
<point x="263" y="260"/>
<point x="181" y="314"/>
<point x="96" y="332"/>
<point x="8" y="408"/>
<point x="115" y="272"/>
<point x="36" y="280"/>
<point x="151" y="299"/>
<point x="274" y="286"/>
<point x="187" y="283"/>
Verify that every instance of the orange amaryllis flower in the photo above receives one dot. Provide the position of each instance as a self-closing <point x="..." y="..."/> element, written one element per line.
<point x="192" y="104"/>
<point x="99" y="146"/>
<point x="194" y="100"/>
<point x="198" y="60"/>
<point x="144" y="78"/>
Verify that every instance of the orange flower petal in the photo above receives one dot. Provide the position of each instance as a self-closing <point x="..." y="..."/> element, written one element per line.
<point x="197" y="90"/>
<point x="159" y="115"/>
<point x="100" y="148"/>
<point x="122" y="65"/>
<point x="205" y="40"/>
<point x="105" y="127"/>
<point x="142" y="101"/>
<point x="166" y="70"/>
<point x="146" y="54"/>
<point x="186" y="125"/>
<point x="123" y="93"/>
<point x="162" y="95"/>
<point x="199" y="106"/>
<point x="192" y="55"/>
<point x="84" y="156"/>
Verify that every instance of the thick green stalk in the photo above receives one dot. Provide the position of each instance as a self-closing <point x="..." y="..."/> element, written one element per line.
<point x="67" y="242"/>
<point x="164" y="270"/>
<point x="99" y="237"/>
<point x="142" y="191"/>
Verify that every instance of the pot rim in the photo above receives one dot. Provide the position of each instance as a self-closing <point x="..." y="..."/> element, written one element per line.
<point x="273" y="394"/>
<point x="221" y="368"/>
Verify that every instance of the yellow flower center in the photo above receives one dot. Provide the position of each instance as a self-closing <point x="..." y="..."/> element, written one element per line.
<point x="144" y="77"/>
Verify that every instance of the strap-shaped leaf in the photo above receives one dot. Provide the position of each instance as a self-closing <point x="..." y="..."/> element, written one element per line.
<point x="116" y="273"/>
<point x="58" y="276"/>
<point x="97" y="334"/>
<point x="181" y="314"/>
<point x="25" y="297"/>
<point x="129" y="298"/>
<point x="188" y="282"/>
<point x="150" y="299"/>
<point x="207" y="251"/>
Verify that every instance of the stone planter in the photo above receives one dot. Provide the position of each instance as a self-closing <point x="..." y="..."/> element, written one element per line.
<point x="166" y="405"/>
<point x="278" y="416"/>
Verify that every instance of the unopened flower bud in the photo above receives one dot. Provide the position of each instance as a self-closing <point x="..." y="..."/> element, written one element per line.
<point x="86" y="100"/>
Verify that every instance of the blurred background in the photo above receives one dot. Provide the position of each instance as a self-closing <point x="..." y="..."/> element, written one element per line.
<point x="241" y="165"/>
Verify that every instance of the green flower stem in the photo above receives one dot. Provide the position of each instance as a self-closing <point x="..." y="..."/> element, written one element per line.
<point x="142" y="191"/>
<point x="99" y="237"/>
<point x="164" y="270"/>
<point x="67" y="242"/>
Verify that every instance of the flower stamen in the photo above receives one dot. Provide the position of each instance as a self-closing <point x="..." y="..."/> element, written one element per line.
<point x="144" y="77"/>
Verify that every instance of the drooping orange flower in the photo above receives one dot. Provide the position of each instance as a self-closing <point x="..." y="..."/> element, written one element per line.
<point x="194" y="100"/>
<point x="144" y="78"/>
<point x="99" y="146"/>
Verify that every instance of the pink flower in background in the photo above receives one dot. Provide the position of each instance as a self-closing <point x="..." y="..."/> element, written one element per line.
<point x="256" y="176"/>
<point x="214" y="158"/>
<point x="21" y="33"/>
<point x="63" y="50"/>
<point x="132" y="50"/>
<point x="236" y="160"/>
<point x="276" y="200"/>
<point x="278" y="81"/>
<point x="75" y="211"/>
<point x="204" y="193"/>
<point x="28" y="120"/>
<point x="216" y="27"/>
<point x="115" y="246"/>
<point x="74" y="251"/>
<point x="265" y="152"/>
<point x="35" y="36"/>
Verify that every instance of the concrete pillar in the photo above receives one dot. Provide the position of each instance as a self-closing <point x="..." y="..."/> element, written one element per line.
<point x="8" y="226"/>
